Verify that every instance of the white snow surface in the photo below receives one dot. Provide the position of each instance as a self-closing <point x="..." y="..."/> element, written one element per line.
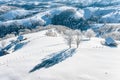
<point x="91" y="61"/>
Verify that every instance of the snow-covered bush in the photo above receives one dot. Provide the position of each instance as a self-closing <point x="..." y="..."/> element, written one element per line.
<point x="51" y="32"/>
<point x="40" y="28"/>
<point x="24" y="31"/>
<point x="59" y="28"/>
<point x="90" y="33"/>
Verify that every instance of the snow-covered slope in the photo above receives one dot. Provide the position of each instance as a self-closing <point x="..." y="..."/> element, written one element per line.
<point x="4" y="8"/>
<point x="49" y="58"/>
<point x="15" y="14"/>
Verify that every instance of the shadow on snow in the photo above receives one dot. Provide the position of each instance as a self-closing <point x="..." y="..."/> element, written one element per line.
<point x="16" y="46"/>
<point x="53" y="59"/>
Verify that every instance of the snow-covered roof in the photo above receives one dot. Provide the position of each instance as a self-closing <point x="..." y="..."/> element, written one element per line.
<point x="109" y="41"/>
<point x="20" y="37"/>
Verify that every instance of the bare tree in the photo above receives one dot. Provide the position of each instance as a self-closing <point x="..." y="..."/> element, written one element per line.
<point x="78" y="37"/>
<point x="89" y="33"/>
<point x="69" y="37"/>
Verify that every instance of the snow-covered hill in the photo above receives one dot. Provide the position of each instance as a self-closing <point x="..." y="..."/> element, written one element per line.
<point x="49" y="58"/>
<point x="101" y="10"/>
<point x="32" y="13"/>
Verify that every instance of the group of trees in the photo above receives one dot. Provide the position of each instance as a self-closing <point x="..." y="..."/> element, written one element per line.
<point x="76" y="36"/>
<point x="16" y="27"/>
<point x="71" y="36"/>
<point x="114" y="35"/>
<point x="112" y="31"/>
<point x="5" y="34"/>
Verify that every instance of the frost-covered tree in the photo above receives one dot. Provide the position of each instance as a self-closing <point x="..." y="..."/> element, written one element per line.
<point x="78" y="37"/>
<point x="89" y="33"/>
<point x="69" y="37"/>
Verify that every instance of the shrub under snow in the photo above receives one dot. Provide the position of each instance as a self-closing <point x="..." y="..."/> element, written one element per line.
<point x="90" y="33"/>
<point x="51" y="32"/>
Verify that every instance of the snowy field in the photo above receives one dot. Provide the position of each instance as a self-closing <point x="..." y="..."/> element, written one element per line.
<point x="49" y="58"/>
